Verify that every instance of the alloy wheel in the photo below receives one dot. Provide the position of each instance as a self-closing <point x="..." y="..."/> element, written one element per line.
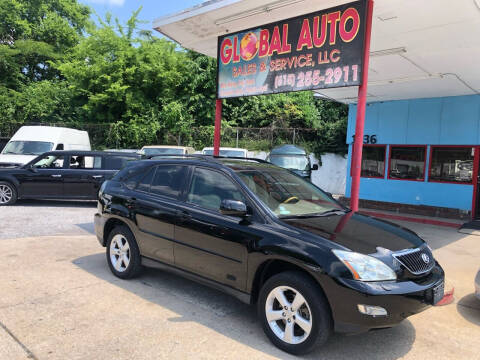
<point x="288" y="315"/>
<point x="120" y="253"/>
<point x="6" y="194"/>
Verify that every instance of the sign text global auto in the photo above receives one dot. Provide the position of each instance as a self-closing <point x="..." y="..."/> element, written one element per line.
<point x="314" y="51"/>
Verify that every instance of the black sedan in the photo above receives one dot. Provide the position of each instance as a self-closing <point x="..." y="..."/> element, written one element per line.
<point x="269" y="237"/>
<point x="61" y="175"/>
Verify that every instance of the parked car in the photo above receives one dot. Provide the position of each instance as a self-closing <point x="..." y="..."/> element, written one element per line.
<point x="293" y="158"/>
<point x="157" y="150"/>
<point x="61" y="175"/>
<point x="135" y="151"/>
<point x="31" y="141"/>
<point x="477" y="285"/>
<point x="270" y="237"/>
<point x="226" y="151"/>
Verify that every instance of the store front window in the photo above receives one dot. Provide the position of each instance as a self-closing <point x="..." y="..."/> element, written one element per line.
<point x="373" y="161"/>
<point x="407" y="163"/>
<point x="451" y="164"/>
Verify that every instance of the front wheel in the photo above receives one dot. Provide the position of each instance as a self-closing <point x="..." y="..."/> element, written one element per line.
<point x="294" y="312"/>
<point x="8" y="193"/>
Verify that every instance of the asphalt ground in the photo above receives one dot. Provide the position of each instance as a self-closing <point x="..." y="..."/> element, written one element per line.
<point x="58" y="300"/>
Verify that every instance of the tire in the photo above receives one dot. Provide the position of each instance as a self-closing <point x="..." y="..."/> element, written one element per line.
<point x="123" y="256"/>
<point x="313" y="313"/>
<point x="8" y="193"/>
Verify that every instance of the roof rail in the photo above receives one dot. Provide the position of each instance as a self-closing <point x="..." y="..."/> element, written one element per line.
<point x="209" y="158"/>
<point x="193" y="156"/>
<point x="240" y="158"/>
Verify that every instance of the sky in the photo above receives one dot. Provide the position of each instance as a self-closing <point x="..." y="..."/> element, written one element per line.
<point x="151" y="10"/>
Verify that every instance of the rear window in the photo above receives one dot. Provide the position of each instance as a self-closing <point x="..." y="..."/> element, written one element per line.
<point x="146" y="180"/>
<point x="168" y="180"/>
<point x="117" y="162"/>
<point x="133" y="168"/>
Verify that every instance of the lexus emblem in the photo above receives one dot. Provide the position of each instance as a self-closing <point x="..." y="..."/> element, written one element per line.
<point x="425" y="258"/>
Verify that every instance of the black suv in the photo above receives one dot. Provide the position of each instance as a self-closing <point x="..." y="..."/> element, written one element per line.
<point x="270" y="237"/>
<point x="61" y="175"/>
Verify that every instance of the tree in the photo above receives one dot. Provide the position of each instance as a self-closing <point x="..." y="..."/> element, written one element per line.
<point x="35" y="32"/>
<point x="57" y="67"/>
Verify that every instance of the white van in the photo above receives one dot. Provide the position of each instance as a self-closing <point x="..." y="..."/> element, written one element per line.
<point x="31" y="141"/>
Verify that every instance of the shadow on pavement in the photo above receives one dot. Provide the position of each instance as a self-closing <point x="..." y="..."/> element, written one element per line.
<point x="57" y="203"/>
<point x="88" y="227"/>
<point x="469" y="308"/>
<point x="212" y="309"/>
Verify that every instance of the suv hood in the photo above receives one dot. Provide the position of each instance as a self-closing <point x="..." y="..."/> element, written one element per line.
<point x="16" y="159"/>
<point x="359" y="233"/>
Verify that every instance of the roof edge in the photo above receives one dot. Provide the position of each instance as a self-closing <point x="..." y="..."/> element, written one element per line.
<point x="204" y="7"/>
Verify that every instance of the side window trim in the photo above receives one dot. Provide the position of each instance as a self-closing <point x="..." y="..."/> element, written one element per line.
<point x="183" y="196"/>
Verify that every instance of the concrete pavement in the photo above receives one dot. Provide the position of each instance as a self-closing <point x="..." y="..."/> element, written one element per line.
<point x="60" y="301"/>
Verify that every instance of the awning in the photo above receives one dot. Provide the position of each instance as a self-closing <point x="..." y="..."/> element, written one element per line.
<point x="420" y="48"/>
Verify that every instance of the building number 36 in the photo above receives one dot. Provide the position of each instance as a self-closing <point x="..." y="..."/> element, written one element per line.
<point x="368" y="139"/>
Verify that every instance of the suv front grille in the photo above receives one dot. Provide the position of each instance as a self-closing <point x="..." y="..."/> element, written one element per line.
<point x="417" y="261"/>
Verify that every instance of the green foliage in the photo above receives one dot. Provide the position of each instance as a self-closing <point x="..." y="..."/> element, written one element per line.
<point x="34" y="32"/>
<point x="57" y="67"/>
<point x="129" y="135"/>
<point x="277" y="110"/>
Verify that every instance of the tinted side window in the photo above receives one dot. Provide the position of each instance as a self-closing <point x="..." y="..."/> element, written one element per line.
<point x="116" y="162"/>
<point x="130" y="170"/>
<point x="168" y="180"/>
<point x="209" y="188"/>
<point x="50" y="162"/>
<point x="85" y="162"/>
<point x="144" y="184"/>
<point x="135" y="176"/>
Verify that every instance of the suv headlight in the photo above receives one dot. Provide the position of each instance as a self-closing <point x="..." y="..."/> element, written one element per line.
<point x="364" y="267"/>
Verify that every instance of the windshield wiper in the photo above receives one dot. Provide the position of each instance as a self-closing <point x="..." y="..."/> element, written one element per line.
<point x="312" y="215"/>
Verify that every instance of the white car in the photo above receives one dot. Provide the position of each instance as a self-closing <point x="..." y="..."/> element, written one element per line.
<point x="477" y="285"/>
<point x="158" y="150"/>
<point x="226" y="151"/>
<point x="31" y="141"/>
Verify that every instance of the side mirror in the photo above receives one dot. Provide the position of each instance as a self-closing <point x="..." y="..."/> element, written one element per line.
<point x="233" y="208"/>
<point x="314" y="167"/>
<point x="32" y="169"/>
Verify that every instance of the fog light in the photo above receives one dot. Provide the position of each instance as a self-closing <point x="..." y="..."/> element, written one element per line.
<point x="372" y="310"/>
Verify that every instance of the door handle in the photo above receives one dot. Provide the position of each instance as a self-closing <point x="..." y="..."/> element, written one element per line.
<point x="97" y="176"/>
<point x="183" y="215"/>
<point x="57" y="176"/>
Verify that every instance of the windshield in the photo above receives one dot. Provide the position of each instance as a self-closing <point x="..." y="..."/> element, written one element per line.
<point x="27" y="147"/>
<point x="292" y="162"/>
<point x="227" y="153"/>
<point x="287" y="194"/>
<point x="162" y="151"/>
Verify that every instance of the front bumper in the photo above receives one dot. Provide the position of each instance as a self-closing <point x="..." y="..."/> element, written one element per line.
<point x="400" y="298"/>
<point x="99" y="224"/>
<point x="477" y="285"/>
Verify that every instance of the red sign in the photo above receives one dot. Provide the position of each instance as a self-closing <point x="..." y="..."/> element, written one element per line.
<point x="314" y="51"/>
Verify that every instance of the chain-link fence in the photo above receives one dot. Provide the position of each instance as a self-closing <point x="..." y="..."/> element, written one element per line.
<point x="107" y="136"/>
